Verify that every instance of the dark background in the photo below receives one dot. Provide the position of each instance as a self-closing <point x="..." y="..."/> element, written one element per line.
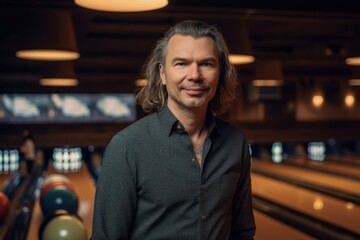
<point x="310" y="38"/>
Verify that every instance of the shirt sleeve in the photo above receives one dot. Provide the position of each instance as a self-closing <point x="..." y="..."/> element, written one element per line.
<point x="115" y="198"/>
<point x="243" y="224"/>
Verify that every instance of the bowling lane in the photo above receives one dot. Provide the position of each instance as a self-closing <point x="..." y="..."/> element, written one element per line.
<point x="269" y="228"/>
<point x="3" y="178"/>
<point x="345" y="159"/>
<point x="85" y="190"/>
<point x="310" y="176"/>
<point x="334" y="211"/>
<point x="350" y="171"/>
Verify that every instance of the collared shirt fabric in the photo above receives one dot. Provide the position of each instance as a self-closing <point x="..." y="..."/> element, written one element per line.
<point x="152" y="187"/>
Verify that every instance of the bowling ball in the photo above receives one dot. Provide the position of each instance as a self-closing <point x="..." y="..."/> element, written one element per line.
<point x="59" y="198"/>
<point x="55" y="176"/>
<point x="49" y="185"/>
<point x="4" y="206"/>
<point x="62" y="226"/>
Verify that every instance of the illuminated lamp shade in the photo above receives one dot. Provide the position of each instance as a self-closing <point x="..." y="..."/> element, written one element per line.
<point x="353" y="55"/>
<point x="59" y="74"/>
<point x="122" y="5"/>
<point x="268" y="73"/>
<point x="237" y="38"/>
<point x="141" y="82"/>
<point x="354" y="79"/>
<point x="50" y="36"/>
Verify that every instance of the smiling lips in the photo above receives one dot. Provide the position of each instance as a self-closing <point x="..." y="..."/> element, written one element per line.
<point x="195" y="91"/>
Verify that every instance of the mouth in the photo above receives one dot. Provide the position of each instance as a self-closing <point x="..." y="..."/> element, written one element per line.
<point x="195" y="91"/>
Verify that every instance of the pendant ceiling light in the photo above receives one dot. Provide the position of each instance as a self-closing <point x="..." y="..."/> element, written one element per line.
<point x="353" y="56"/>
<point x="268" y="73"/>
<point x="237" y="38"/>
<point x="354" y="79"/>
<point x="122" y="5"/>
<point x="50" y="36"/>
<point x="59" y="74"/>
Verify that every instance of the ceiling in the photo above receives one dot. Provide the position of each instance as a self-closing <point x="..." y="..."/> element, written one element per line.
<point x="310" y="38"/>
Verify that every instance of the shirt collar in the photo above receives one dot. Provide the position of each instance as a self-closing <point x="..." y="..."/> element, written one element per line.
<point x="171" y="124"/>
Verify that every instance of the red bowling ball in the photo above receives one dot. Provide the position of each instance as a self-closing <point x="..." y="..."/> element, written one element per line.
<point x="4" y="206"/>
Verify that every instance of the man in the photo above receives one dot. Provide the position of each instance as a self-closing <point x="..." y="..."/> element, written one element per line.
<point x="180" y="172"/>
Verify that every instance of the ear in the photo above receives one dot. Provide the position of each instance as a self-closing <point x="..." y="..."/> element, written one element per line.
<point x="162" y="74"/>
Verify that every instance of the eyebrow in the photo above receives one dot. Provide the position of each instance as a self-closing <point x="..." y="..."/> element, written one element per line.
<point x="212" y="59"/>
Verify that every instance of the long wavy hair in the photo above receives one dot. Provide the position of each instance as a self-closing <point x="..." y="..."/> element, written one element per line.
<point x="153" y="96"/>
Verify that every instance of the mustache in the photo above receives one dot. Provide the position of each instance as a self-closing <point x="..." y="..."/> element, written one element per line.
<point x="194" y="85"/>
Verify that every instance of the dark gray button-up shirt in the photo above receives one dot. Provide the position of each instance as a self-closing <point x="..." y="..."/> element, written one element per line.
<point x="151" y="187"/>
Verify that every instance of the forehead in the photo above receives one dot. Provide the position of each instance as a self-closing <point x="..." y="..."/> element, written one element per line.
<point x="182" y="44"/>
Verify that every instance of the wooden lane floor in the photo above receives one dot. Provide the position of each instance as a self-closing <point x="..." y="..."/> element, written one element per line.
<point x="3" y="178"/>
<point x="353" y="160"/>
<point x="317" y="205"/>
<point x="351" y="171"/>
<point x="269" y="228"/>
<point x="85" y="190"/>
<point x="311" y="176"/>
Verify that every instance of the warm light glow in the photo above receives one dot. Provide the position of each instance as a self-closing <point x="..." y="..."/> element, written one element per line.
<point x="47" y="55"/>
<point x="354" y="82"/>
<point x="267" y="83"/>
<point x="318" y="100"/>
<point x="349" y="100"/>
<point x="354" y="61"/>
<point x="141" y="82"/>
<point x="59" y="82"/>
<point x="122" y="5"/>
<point x="318" y="204"/>
<point x="240" y="59"/>
<point x="349" y="206"/>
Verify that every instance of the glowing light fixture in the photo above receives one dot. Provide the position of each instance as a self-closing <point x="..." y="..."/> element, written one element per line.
<point x="354" y="61"/>
<point x="141" y="82"/>
<point x="59" y="74"/>
<point x="122" y="5"/>
<point x="354" y="82"/>
<point x="318" y="100"/>
<point x="237" y="38"/>
<point x="349" y="100"/>
<point x="353" y="56"/>
<point x="50" y="37"/>
<point x="59" y="82"/>
<point x="355" y="77"/>
<point x="268" y="73"/>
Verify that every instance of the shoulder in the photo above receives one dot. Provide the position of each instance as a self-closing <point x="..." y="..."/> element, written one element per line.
<point x="229" y="129"/>
<point x="134" y="131"/>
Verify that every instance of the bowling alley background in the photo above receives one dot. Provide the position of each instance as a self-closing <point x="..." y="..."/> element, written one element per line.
<point x="298" y="103"/>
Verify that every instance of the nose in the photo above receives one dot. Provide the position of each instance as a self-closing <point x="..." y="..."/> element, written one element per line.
<point x="194" y="73"/>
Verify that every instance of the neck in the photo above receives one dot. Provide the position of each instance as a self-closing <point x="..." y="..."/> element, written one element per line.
<point x="193" y="120"/>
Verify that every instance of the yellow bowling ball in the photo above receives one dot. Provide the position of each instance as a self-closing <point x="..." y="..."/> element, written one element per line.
<point x="63" y="227"/>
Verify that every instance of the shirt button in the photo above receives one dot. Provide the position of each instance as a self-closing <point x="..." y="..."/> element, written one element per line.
<point x="178" y="126"/>
<point x="202" y="187"/>
<point x="193" y="160"/>
<point x="203" y="218"/>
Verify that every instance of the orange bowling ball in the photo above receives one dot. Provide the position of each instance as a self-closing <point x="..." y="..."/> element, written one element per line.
<point x="56" y="176"/>
<point x="4" y="206"/>
<point x="54" y="183"/>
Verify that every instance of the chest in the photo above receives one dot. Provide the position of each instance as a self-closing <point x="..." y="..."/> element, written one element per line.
<point x="168" y="173"/>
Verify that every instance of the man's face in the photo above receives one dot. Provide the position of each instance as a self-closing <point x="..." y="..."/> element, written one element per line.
<point x="191" y="72"/>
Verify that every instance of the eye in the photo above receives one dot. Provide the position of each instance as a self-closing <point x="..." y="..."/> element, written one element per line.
<point x="180" y="64"/>
<point x="207" y="64"/>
